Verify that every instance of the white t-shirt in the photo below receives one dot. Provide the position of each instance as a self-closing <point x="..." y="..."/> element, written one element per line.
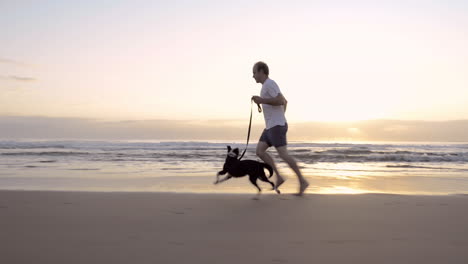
<point x="273" y="114"/>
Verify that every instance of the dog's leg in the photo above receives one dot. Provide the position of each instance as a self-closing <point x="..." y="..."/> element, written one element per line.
<point x="217" y="176"/>
<point x="253" y="180"/>
<point x="265" y="179"/>
<point x="223" y="179"/>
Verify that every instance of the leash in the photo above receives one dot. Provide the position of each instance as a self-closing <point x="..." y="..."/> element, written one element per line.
<point x="250" y="126"/>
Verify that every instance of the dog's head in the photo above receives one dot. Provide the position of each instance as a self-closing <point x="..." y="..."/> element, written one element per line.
<point x="232" y="153"/>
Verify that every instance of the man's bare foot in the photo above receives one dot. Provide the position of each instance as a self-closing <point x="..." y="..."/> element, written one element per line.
<point x="278" y="183"/>
<point x="303" y="186"/>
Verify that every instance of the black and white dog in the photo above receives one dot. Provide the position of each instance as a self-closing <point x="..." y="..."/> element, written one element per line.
<point x="239" y="168"/>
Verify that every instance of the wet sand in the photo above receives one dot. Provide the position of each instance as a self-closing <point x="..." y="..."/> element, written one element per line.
<point x="98" y="227"/>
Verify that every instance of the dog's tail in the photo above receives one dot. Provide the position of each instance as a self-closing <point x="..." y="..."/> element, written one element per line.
<point x="269" y="168"/>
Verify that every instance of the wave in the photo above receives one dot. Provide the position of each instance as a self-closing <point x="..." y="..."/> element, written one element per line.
<point x="84" y="169"/>
<point x="335" y="156"/>
<point x="346" y="151"/>
<point x="363" y="155"/>
<point x="28" y="146"/>
<point x="45" y="153"/>
<point x="194" y="151"/>
<point x="406" y="166"/>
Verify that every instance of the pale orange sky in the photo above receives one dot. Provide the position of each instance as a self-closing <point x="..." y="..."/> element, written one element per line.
<point x="143" y="60"/>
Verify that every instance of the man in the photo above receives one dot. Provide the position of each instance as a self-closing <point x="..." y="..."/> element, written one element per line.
<point x="274" y="106"/>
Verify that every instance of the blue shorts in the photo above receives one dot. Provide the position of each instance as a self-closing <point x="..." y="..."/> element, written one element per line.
<point x="275" y="136"/>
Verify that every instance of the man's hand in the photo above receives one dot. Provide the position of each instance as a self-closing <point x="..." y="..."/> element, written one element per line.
<point x="278" y="100"/>
<point x="257" y="99"/>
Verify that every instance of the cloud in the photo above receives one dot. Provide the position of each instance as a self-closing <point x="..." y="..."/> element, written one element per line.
<point x="14" y="62"/>
<point x="18" y="78"/>
<point x="7" y="61"/>
<point x="21" y="79"/>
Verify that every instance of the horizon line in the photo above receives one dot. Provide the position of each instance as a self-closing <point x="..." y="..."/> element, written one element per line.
<point x="98" y="119"/>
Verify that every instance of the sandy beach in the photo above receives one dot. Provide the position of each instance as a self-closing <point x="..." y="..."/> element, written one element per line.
<point x="92" y="227"/>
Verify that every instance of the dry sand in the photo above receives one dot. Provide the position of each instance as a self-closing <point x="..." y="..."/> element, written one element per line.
<point x="80" y="227"/>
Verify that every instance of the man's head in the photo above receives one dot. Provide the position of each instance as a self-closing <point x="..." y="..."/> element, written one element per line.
<point x="260" y="72"/>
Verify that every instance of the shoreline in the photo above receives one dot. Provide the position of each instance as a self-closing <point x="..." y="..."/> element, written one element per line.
<point x="220" y="193"/>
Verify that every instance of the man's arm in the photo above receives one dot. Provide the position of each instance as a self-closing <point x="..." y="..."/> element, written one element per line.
<point x="278" y="100"/>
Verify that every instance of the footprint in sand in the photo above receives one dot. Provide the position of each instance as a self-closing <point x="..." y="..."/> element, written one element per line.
<point x="348" y="241"/>
<point x="177" y="212"/>
<point x="180" y="211"/>
<point x="297" y="243"/>
<point x="279" y="260"/>
<point x="176" y="243"/>
<point x="399" y="239"/>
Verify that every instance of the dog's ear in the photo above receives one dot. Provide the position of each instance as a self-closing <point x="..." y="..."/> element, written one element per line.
<point x="236" y="150"/>
<point x="229" y="148"/>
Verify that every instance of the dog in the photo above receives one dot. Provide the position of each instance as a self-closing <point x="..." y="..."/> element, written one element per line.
<point x="239" y="168"/>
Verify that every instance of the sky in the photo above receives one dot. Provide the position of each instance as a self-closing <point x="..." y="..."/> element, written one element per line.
<point x="335" y="61"/>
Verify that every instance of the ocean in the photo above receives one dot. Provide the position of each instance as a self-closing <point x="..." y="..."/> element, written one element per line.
<point x="191" y="166"/>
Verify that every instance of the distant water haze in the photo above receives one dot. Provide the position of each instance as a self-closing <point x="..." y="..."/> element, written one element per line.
<point x="16" y="127"/>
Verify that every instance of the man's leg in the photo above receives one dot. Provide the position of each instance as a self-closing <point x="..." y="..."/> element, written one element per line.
<point x="283" y="153"/>
<point x="261" y="153"/>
